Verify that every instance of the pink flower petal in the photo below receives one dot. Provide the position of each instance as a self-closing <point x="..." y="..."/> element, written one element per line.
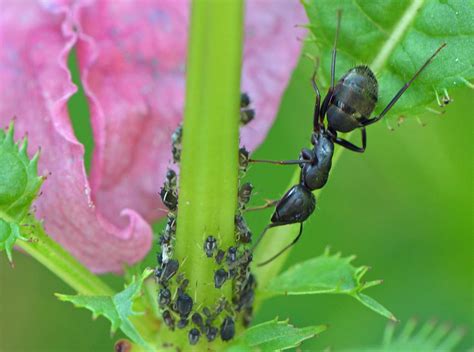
<point x="271" y="52"/>
<point x="132" y="65"/>
<point x="35" y="40"/>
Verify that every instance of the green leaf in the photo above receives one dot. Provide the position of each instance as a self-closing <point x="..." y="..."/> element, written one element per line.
<point x="395" y="38"/>
<point x="327" y="274"/>
<point x="274" y="335"/>
<point x="19" y="186"/>
<point x="429" y="337"/>
<point x="117" y="308"/>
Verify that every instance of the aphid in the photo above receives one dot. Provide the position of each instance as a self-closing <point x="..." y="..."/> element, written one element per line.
<point x="164" y="297"/>
<point x="243" y="159"/>
<point x="158" y="272"/>
<point x="210" y="244"/>
<point x="347" y="106"/>
<point x="246" y="114"/>
<point x="169" y="192"/>
<point x="231" y="255"/>
<point x="182" y="323"/>
<point x="184" y="304"/>
<point x="176" y="146"/>
<point x="219" y="256"/>
<point x="169" y="270"/>
<point x="211" y="332"/>
<point x="207" y="312"/>
<point x="247" y="316"/>
<point x="242" y="230"/>
<point x="168" y="319"/>
<point x="193" y="336"/>
<point x="220" y="276"/>
<point x="245" y="191"/>
<point x="227" y="329"/>
<point x="196" y="318"/>
<point x="159" y="258"/>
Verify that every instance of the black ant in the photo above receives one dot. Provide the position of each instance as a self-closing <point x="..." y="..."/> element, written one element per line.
<point x="347" y="106"/>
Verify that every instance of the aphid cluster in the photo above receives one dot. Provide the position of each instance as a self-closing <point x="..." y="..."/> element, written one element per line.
<point x="347" y="106"/>
<point x="178" y="309"/>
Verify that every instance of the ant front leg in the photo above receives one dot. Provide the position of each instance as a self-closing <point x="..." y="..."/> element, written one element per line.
<point x="348" y="145"/>
<point x="306" y="157"/>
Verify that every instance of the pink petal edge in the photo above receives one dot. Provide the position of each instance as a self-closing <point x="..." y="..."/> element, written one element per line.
<point x="132" y="65"/>
<point x="36" y="85"/>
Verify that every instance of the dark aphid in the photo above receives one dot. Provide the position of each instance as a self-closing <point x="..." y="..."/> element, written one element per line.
<point x="220" y="276"/>
<point x="244" y="100"/>
<point x="164" y="297"/>
<point x="169" y="270"/>
<point x="169" y="193"/>
<point x="246" y="258"/>
<point x="196" y="318"/>
<point x="159" y="258"/>
<point x="243" y="159"/>
<point x="219" y="256"/>
<point x="193" y="336"/>
<point x="184" y="304"/>
<point x="347" y="106"/>
<point x="168" y="319"/>
<point x="242" y="230"/>
<point x="227" y="329"/>
<point x="207" y="312"/>
<point x="231" y="255"/>
<point x="247" y="316"/>
<point x="210" y="244"/>
<point x="245" y="191"/>
<point x="184" y="284"/>
<point x="211" y="332"/>
<point x="246" y="299"/>
<point x="246" y="114"/>
<point x="176" y="139"/>
<point x="158" y="272"/>
<point x="182" y="323"/>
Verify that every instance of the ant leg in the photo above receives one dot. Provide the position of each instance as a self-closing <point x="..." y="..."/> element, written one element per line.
<point x="306" y="157"/>
<point x="268" y="204"/>
<point x="281" y="162"/>
<point x="269" y="226"/>
<point x="349" y="145"/>
<point x="284" y="249"/>
<point x="317" y="105"/>
<point x="403" y="89"/>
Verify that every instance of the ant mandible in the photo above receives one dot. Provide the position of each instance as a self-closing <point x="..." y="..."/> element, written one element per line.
<point x="347" y="106"/>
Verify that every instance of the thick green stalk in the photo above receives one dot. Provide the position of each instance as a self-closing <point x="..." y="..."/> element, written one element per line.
<point x="209" y="161"/>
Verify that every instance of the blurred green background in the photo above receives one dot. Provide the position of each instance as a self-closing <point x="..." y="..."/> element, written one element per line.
<point x="405" y="208"/>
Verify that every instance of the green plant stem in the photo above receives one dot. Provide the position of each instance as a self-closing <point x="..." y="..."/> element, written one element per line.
<point x="54" y="257"/>
<point x="209" y="161"/>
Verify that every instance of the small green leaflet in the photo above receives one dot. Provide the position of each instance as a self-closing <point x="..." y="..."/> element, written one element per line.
<point x="327" y="274"/>
<point x="429" y="337"/>
<point x="116" y="308"/>
<point x="19" y="186"/>
<point x="395" y="37"/>
<point x="274" y="335"/>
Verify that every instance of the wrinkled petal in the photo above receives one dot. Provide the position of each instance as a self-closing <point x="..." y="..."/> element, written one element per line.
<point x="271" y="52"/>
<point x="132" y="64"/>
<point x="35" y="39"/>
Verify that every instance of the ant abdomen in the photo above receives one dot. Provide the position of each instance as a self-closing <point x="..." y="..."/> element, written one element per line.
<point x="295" y="206"/>
<point x="354" y="98"/>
